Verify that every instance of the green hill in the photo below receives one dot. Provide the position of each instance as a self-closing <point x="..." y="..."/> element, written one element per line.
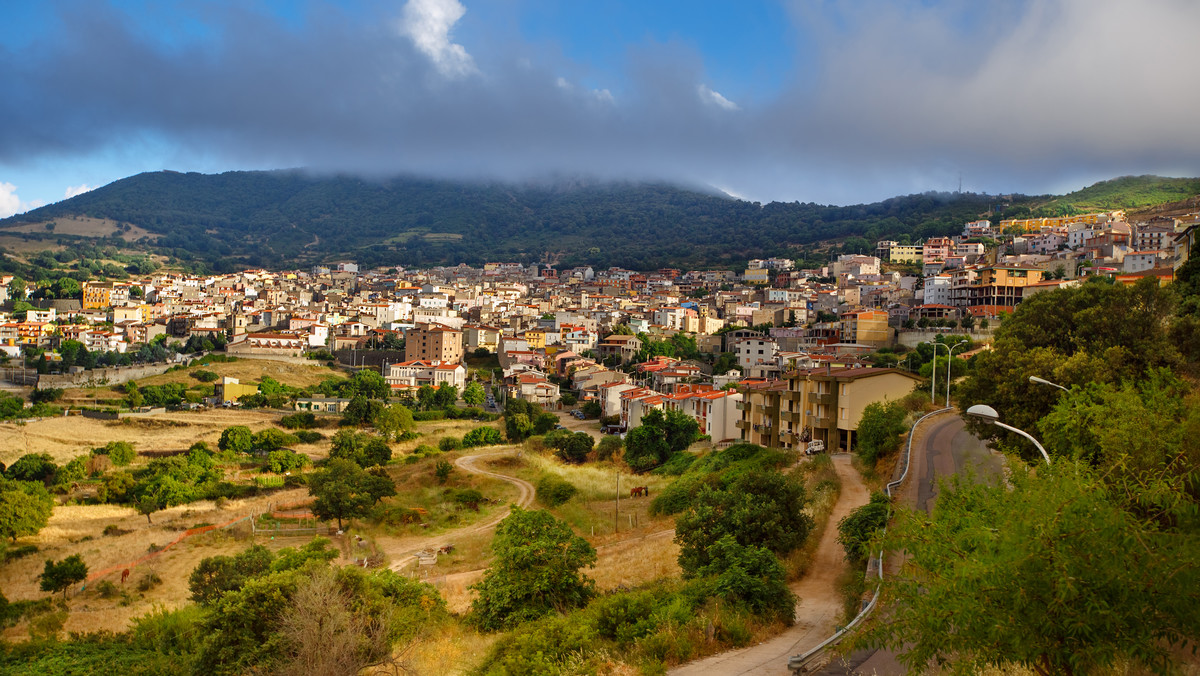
<point x="1126" y="192"/>
<point x="287" y="219"/>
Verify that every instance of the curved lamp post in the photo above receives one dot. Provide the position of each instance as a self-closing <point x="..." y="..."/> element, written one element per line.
<point x="1043" y="381"/>
<point x="950" y="366"/>
<point x="989" y="414"/>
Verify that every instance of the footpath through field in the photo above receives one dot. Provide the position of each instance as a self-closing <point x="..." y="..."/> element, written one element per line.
<point x="408" y="547"/>
<point x="819" y="601"/>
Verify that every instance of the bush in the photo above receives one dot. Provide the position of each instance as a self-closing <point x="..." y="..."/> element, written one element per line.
<point x="570" y="447"/>
<point x="553" y="490"/>
<point x="448" y="444"/>
<point x="120" y="452"/>
<point x="609" y="446"/>
<point x="107" y="589"/>
<point x="482" y="436"/>
<point x="426" y="416"/>
<point x="205" y="376"/>
<point x="859" y="527"/>
<point x="148" y="581"/>
<point x="303" y="420"/>
<point x="467" y="497"/>
<point x="442" y="471"/>
<point x="285" y="460"/>
<point x="880" y="429"/>
<point x="309" y="436"/>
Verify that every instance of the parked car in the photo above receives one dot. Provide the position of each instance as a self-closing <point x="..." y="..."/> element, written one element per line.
<point x="815" y="447"/>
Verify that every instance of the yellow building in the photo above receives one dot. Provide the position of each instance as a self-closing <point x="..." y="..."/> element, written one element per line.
<point x="100" y="295"/>
<point x="903" y="253"/>
<point x="536" y="338"/>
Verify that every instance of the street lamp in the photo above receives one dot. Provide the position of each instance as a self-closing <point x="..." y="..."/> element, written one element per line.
<point x="989" y="414"/>
<point x="950" y="365"/>
<point x="933" y="376"/>
<point x="1043" y="381"/>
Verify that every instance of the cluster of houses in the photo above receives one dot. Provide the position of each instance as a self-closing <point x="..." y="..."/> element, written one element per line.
<point x="960" y="276"/>
<point x="579" y="329"/>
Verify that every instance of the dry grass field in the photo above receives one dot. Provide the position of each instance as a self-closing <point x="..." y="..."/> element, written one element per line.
<point x="65" y="438"/>
<point x="245" y="370"/>
<point x="83" y="226"/>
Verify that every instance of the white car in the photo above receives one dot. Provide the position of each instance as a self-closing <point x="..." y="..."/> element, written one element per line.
<point x="815" y="447"/>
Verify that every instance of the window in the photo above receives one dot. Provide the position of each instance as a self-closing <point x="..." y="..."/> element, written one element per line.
<point x="842" y="413"/>
<point x="843" y="392"/>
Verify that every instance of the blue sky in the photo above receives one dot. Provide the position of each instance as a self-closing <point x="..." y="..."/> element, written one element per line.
<point x="811" y="100"/>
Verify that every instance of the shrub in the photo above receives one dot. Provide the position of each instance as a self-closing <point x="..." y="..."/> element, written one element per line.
<point x="120" y="452"/>
<point x="442" y="471"/>
<point x="425" y="450"/>
<point x="107" y="589"/>
<point x="112" y="529"/>
<point x="148" y="581"/>
<point x="467" y="497"/>
<point x="553" y="490"/>
<point x="610" y="445"/>
<point x="309" y="436"/>
<point x="426" y="416"/>
<point x="205" y="376"/>
<point x="482" y="436"/>
<point x="857" y="529"/>
<point x="285" y="460"/>
<point x="448" y="444"/>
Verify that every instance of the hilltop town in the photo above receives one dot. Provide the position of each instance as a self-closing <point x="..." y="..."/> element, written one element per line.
<point x="690" y="336"/>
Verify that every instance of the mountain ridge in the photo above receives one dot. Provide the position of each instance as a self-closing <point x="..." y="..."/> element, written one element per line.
<point x="283" y="218"/>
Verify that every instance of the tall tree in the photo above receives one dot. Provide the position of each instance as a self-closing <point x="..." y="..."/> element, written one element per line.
<point x="535" y="571"/>
<point x="25" y="508"/>
<point x="343" y="490"/>
<point x="60" y="576"/>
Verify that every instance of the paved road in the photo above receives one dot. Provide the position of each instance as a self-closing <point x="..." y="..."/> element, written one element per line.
<point x="942" y="448"/>
<point x="819" y="602"/>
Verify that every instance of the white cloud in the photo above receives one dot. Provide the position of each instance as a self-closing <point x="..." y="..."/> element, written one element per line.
<point x="10" y="202"/>
<point x="428" y="23"/>
<point x="712" y="97"/>
<point x="73" y="190"/>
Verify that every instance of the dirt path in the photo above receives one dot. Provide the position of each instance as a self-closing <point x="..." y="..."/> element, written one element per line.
<point x="819" y="606"/>
<point x="404" y="550"/>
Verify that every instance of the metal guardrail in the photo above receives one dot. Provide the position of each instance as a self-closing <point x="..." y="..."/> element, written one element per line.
<point x="798" y="663"/>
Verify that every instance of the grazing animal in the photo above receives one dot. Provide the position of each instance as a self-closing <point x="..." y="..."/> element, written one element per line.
<point x="639" y="491"/>
<point x="124" y="575"/>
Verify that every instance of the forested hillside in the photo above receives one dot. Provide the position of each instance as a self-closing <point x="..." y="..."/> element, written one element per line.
<point x="288" y="218"/>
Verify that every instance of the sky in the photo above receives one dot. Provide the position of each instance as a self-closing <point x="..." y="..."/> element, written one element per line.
<point x="829" y="101"/>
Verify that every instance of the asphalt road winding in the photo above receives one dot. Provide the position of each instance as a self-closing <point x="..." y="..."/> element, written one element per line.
<point x="943" y="447"/>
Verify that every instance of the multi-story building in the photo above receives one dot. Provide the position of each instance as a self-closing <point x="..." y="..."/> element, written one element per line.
<point x="906" y="253"/>
<point x="100" y="295"/>
<point x="1002" y="286"/>
<point x="936" y="249"/>
<point x="866" y="327"/>
<point x="822" y="404"/>
<point x="415" y="373"/>
<point x="433" y="342"/>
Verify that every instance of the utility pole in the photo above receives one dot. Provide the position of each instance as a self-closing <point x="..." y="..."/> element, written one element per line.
<point x="617" y="505"/>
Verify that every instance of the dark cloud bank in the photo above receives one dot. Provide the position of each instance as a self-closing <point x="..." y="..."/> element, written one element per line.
<point x="1036" y="97"/>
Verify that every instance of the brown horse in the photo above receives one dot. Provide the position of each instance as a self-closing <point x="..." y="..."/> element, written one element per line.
<point x="124" y="575"/>
<point x="639" y="491"/>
